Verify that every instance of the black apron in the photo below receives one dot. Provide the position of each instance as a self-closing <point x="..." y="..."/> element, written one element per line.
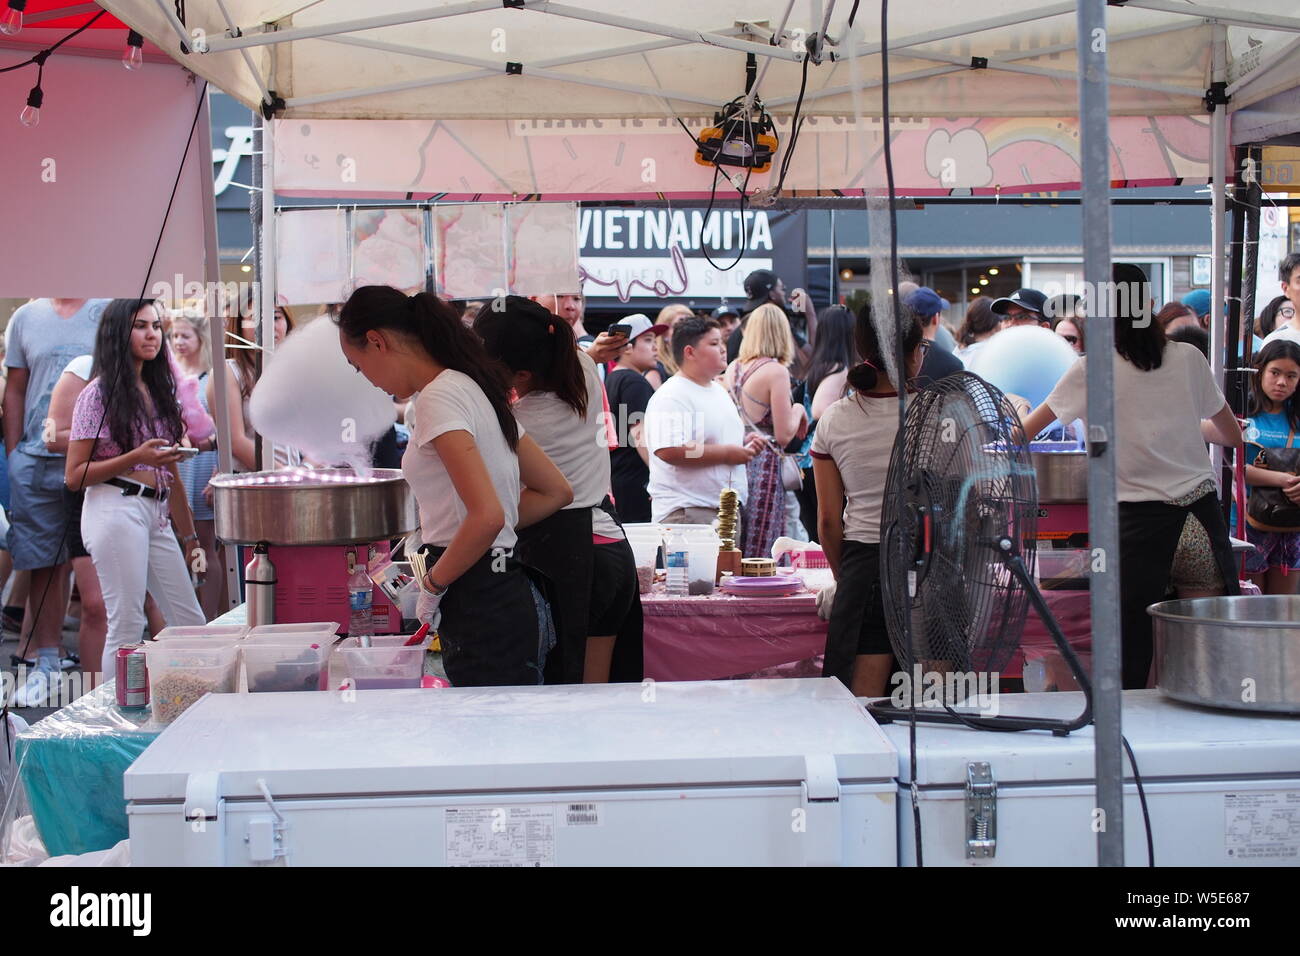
<point x="857" y="623"/>
<point x="493" y="631"/>
<point x="560" y="547"/>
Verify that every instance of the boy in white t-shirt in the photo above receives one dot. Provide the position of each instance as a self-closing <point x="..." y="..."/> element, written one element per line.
<point x="697" y="443"/>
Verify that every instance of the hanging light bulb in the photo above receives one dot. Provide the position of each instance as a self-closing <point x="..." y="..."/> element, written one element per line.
<point x="12" y="20"/>
<point x="31" y="114"/>
<point x="993" y="272"/>
<point x="975" y="291"/>
<point x="133" y="55"/>
<point x="984" y="281"/>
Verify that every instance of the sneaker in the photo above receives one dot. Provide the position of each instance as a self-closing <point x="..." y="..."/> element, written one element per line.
<point x="38" y="690"/>
<point x="68" y="662"/>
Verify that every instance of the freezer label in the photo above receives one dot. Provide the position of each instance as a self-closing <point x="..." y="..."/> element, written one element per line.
<point x="500" y="836"/>
<point x="582" y="815"/>
<point x="1262" y="826"/>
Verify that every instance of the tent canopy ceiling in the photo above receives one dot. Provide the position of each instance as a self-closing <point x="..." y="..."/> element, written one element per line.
<point x="415" y="59"/>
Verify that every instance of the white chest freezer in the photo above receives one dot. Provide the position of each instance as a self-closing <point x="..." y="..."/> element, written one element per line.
<point x="1223" y="788"/>
<point x="776" y="772"/>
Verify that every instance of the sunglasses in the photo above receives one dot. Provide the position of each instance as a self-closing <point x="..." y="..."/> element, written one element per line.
<point x="1072" y="339"/>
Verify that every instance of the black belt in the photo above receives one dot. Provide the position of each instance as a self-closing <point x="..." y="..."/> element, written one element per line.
<point x="131" y="489"/>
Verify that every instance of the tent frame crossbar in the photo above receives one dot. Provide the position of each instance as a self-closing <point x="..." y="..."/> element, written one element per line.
<point x="1221" y="15"/>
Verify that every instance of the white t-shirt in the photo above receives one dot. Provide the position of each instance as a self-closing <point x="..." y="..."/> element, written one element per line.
<point x="577" y="446"/>
<point x="81" y="366"/>
<point x="1159" y="452"/>
<point x="857" y="433"/>
<point x="682" y="411"/>
<point x="453" y="402"/>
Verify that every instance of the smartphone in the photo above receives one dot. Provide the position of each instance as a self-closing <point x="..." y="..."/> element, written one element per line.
<point x="172" y="449"/>
<point x="621" y="328"/>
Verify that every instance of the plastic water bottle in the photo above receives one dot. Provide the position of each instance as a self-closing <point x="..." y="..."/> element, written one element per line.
<point x="360" y="597"/>
<point x="676" y="563"/>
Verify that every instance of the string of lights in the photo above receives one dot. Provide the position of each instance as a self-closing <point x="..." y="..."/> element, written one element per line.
<point x="11" y="22"/>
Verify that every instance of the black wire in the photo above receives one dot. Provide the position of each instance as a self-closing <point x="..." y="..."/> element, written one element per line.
<point x="1142" y="799"/>
<point x="67" y="528"/>
<point x="48" y="50"/>
<point x="900" y="370"/>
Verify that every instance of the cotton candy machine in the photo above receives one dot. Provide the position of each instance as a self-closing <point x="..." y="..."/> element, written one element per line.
<point x="311" y="524"/>
<point x="1240" y="653"/>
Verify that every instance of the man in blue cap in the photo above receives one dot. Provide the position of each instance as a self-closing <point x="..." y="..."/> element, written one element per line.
<point x="938" y="363"/>
<point x="1198" y="300"/>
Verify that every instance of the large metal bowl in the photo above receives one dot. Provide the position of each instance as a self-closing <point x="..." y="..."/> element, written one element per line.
<point x="1062" y="476"/>
<point x="313" y="507"/>
<point x="1240" y="653"/>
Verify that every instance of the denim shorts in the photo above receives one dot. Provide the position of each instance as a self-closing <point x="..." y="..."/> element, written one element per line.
<point x="39" y="516"/>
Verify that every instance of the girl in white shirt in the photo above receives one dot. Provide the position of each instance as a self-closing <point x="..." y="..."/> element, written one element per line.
<point x="581" y="548"/>
<point x="475" y="477"/>
<point x="851" y="451"/>
<point x="1167" y="405"/>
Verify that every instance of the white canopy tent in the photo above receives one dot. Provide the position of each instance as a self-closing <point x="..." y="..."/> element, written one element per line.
<point x="619" y="59"/>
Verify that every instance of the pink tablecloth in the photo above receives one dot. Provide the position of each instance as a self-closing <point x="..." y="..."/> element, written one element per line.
<point x="717" y="636"/>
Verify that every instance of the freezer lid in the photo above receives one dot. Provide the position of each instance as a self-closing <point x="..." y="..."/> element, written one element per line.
<point x="1169" y="738"/>
<point x="514" y="738"/>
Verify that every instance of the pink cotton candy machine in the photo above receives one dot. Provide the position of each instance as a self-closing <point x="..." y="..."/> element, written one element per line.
<point x="307" y="525"/>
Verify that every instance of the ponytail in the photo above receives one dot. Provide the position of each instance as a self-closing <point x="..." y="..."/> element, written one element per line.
<point x="864" y="376"/>
<point x="436" y="327"/>
<point x="525" y="337"/>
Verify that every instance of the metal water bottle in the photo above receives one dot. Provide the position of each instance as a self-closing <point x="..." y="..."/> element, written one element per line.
<point x="259" y="587"/>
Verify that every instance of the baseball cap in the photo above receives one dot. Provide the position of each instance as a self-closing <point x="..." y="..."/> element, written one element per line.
<point x="722" y="310"/>
<point x="1030" y="299"/>
<point x="640" y="325"/>
<point x="925" y="302"/>
<point x="758" y="286"/>
<point x="1198" y="300"/>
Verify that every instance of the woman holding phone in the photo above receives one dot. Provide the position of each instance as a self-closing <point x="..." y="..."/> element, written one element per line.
<point x="122" y="450"/>
<point x="475" y="476"/>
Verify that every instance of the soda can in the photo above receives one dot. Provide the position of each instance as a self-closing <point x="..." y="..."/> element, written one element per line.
<point x="132" y="676"/>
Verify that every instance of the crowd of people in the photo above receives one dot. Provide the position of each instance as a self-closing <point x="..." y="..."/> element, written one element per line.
<point x="530" y="442"/>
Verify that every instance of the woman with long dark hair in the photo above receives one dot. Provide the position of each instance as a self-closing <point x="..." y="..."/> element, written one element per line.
<point x="581" y="548"/>
<point x="124" y="423"/>
<point x="1273" y="423"/>
<point x="1167" y="405"/>
<point x="980" y="324"/>
<point x="833" y="354"/>
<point x="475" y="477"/>
<point x="851" y="452"/>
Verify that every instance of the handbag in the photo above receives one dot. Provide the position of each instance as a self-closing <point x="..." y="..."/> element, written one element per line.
<point x="1268" y="508"/>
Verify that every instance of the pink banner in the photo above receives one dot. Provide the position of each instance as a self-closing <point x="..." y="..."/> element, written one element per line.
<point x="640" y="159"/>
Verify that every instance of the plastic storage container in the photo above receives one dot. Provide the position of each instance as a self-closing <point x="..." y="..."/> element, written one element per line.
<point x="325" y="632"/>
<point x="290" y="666"/>
<point x="702" y="545"/>
<point x="382" y="667"/>
<point x="645" y="541"/>
<point x="232" y="632"/>
<point x="182" y="670"/>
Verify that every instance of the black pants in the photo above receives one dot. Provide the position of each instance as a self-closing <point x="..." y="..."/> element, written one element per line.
<point x="491" y="631"/>
<point x="807" y="496"/>
<point x="857" y="624"/>
<point x="1148" y="538"/>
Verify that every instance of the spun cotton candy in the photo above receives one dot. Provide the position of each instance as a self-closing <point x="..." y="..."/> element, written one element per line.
<point x="311" y="399"/>
<point x="1026" y="360"/>
<point x="198" y="423"/>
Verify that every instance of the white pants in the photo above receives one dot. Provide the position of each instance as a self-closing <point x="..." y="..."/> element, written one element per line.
<point x="132" y="555"/>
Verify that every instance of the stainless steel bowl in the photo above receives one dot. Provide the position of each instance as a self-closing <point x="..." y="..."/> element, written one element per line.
<point x="1241" y="653"/>
<point x="313" y="507"/>
<point x="1062" y="476"/>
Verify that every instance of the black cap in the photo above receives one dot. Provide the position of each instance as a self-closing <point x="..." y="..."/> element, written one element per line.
<point x="1030" y="299"/>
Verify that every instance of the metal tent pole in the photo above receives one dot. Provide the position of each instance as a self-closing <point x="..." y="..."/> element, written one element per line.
<point x="266" y="268"/>
<point x="1103" y="509"/>
<point x="216" y="338"/>
<point x="1218" y="222"/>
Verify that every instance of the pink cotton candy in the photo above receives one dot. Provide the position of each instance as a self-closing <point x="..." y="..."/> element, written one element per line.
<point x="198" y="423"/>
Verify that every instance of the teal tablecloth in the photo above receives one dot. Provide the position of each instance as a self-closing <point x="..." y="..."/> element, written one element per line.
<point x="71" y="765"/>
